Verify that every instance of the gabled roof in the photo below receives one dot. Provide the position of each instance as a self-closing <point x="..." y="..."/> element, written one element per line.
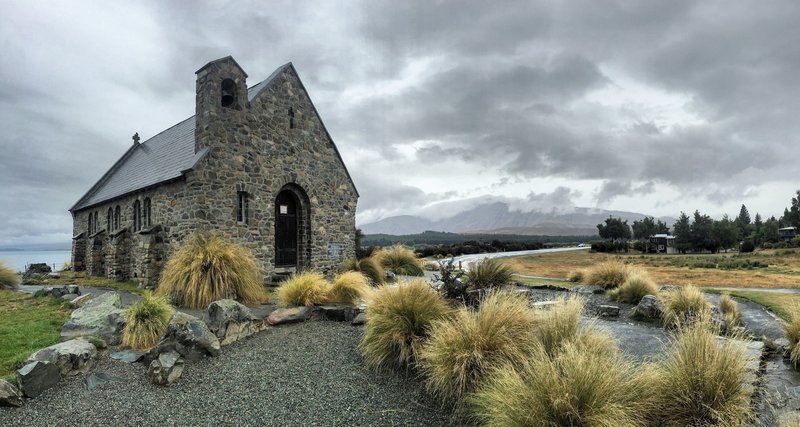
<point x="165" y="157"/>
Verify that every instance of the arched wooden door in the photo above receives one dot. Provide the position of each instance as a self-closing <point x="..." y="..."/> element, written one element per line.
<point x="286" y="218"/>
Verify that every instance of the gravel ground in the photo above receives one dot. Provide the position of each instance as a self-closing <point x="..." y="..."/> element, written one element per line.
<point x="307" y="374"/>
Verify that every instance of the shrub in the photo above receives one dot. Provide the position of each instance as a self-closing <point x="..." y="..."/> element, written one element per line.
<point x="575" y="387"/>
<point x="576" y="276"/>
<point x="399" y="260"/>
<point x="348" y="288"/>
<point x="307" y="288"/>
<point x="747" y="246"/>
<point x="463" y="349"/>
<point x="207" y="268"/>
<point x="452" y="287"/>
<point x="636" y="285"/>
<point x="558" y="324"/>
<point x="730" y="310"/>
<point x="684" y="306"/>
<point x="488" y="273"/>
<point x="703" y="381"/>
<point x="398" y="318"/>
<point x="367" y="266"/>
<point x="146" y="321"/>
<point x="8" y="278"/>
<point x="792" y="329"/>
<point x="608" y="274"/>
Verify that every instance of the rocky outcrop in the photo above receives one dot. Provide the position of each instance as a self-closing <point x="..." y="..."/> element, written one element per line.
<point x="36" y="377"/>
<point x="102" y="317"/>
<point x="81" y="300"/>
<point x="608" y="311"/>
<point x="231" y="321"/>
<point x="339" y="313"/>
<point x="165" y="369"/>
<point x="283" y="316"/>
<point x="188" y="336"/>
<point x="649" y="308"/>
<point x="9" y="394"/>
<point x="128" y="356"/>
<point x="70" y="357"/>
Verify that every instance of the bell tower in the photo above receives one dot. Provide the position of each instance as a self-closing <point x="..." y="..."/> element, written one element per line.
<point x="221" y="98"/>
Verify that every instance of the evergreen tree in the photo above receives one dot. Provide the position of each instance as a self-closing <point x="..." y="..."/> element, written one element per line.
<point x="725" y="233"/>
<point x="702" y="233"/>
<point x="791" y="216"/>
<point x="758" y="226"/>
<point x="743" y="222"/>
<point x="770" y="231"/>
<point x="614" y="228"/>
<point x="683" y="233"/>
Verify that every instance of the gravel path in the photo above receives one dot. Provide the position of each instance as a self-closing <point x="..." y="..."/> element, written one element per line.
<point x="306" y="374"/>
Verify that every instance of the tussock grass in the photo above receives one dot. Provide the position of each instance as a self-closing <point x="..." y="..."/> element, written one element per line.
<point x="398" y="318"/>
<point x="636" y="285"/>
<point x="558" y="324"/>
<point x="685" y="306"/>
<point x="8" y="278"/>
<point x="207" y="268"/>
<point x="792" y="329"/>
<point x="307" y="288"/>
<point x="462" y="349"/>
<point x="147" y="320"/>
<point x="576" y="276"/>
<point x="488" y="273"/>
<point x="349" y="288"/>
<point x="730" y="310"/>
<point x="577" y="386"/>
<point x="702" y="381"/>
<point x="399" y="260"/>
<point x="608" y="274"/>
<point x="369" y="267"/>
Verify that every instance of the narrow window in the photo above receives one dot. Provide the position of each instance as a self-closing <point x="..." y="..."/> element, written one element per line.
<point x="116" y="217"/>
<point x="137" y="216"/>
<point x="147" y="213"/>
<point x="241" y="207"/>
<point x="291" y="118"/>
<point x="109" y="219"/>
<point x="94" y="227"/>
<point x="89" y="224"/>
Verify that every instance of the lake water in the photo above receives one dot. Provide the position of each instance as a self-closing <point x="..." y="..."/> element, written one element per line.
<point x="18" y="260"/>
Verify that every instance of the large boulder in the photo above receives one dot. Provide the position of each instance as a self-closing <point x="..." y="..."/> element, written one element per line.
<point x="102" y="317"/>
<point x="165" y="369"/>
<point x="36" y="377"/>
<point x="649" y="308"/>
<point x="71" y="357"/>
<point x="81" y="300"/>
<point x="231" y="321"/>
<point x="188" y="336"/>
<point x="9" y="394"/>
<point x="290" y="315"/>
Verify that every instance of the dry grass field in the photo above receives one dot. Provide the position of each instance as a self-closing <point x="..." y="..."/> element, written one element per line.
<point x="779" y="268"/>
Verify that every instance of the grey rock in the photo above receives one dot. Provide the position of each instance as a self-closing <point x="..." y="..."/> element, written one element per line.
<point x="38" y="268"/>
<point x="81" y="300"/>
<point x="588" y="289"/>
<point x="608" y="311"/>
<point x="9" y="394"/>
<point x="128" y="356"/>
<point x="360" y="319"/>
<point x="36" y="377"/>
<point x="69" y="297"/>
<point x="96" y="379"/>
<point x="101" y="317"/>
<point x="71" y="357"/>
<point x="339" y="313"/>
<point x="231" y="321"/>
<point x="390" y="277"/>
<point x="56" y="292"/>
<point x="54" y="275"/>
<point x="188" y="336"/>
<point x="668" y="288"/>
<point x="166" y="369"/>
<point x="648" y="308"/>
<point x="289" y="315"/>
<point x="73" y="289"/>
<point x="544" y="305"/>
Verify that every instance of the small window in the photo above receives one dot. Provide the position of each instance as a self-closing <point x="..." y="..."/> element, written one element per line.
<point x="228" y="95"/>
<point x="89" y="223"/>
<point x="116" y="217"/>
<point x="241" y="207"/>
<point x="291" y="118"/>
<point x="147" y="220"/>
<point x="94" y="228"/>
<point x="137" y="216"/>
<point x="109" y="219"/>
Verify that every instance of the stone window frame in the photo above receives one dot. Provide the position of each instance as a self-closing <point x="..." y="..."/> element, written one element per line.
<point x="137" y="215"/>
<point x="147" y="213"/>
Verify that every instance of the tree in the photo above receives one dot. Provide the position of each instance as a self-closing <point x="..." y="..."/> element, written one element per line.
<point x="758" y="226"/>
<point x="661" y="227"/>
<point x="770" y="231"/>
<point x="683" y="233"/>
<point x="643" y="229"/>
<point x="701" y="234"/>
<point x="726" y="233"/>
<point x="614" y="228"/>
<point x="743" y="222"/>
<point x="791" y="216"/>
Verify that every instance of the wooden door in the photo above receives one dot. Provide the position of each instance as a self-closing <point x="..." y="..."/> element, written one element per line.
<point x="285" y="230"/>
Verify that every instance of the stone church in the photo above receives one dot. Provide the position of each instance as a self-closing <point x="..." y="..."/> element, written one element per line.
<point x="255" y="165"/>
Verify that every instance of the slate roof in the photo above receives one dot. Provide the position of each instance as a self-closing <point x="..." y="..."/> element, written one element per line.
<point x="164" y="157"/>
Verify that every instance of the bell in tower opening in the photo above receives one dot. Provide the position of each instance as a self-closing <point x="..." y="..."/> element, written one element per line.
<point x="228" y="93"/>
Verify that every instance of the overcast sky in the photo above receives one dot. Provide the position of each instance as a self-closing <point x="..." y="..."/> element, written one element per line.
<point x="653" y="107"/>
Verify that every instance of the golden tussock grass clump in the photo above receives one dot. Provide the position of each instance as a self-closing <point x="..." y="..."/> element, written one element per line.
<point x="462" y="349"/>
<point x="488" y="273"/>
<point x="685" y="306"/>
<point x="398" y="319"/>
<point x="576" y="276"/>
<point x="207" y="268"/>
<point x="730" y="310"/>
<point x="8" y="278"/>
<point x="608" y="274"/>
<point x="558" y="324"/>
<point x="369" y="267"/>
<point x="146" y="321"/>
<point x="399" y="260"/>
<point x="349" y="288"/>
<point x="792" y="329"/>
<point x="306" y="289"/>
<point x="636" y="285"/>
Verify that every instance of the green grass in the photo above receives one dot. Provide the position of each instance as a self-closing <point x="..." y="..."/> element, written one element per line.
<point x="27" y="324"/>
<point x="780" y="303"/>
<point x="81" y="278"/>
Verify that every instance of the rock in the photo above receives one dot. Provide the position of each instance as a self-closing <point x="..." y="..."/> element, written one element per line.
<point x="81" y="300"/>
<point x="781" y="346"/>
<point x="588" y="289"/>
<point x="128" y="356"/>
<point x="54" y="275"/>
<point x="339" y="313"/>
<point x="648" y="308"/>
<point x="69" y="297"/>
<point x="55" y="292"/>
<point x="38" y="268"/>
<point x="720" y="324"/>
<point x="231" y="321"/>
<point x="544" y="305"/>
<point x="188" y="336"/>
<point x="360" y="319"/>
<point x="36" y="377"/>
<point x="668" y="288"/>
<point x="96" y="379"/>
<point x="71" y="357"/>
<point x="608" y="311"/>
<point x="101" y="317"/>
<point x="167" y="368"/>
<point x="289" y="315"/>
<point x="9" y="394"/>
<point x="73" y="289"/>
<point x="390" y="277"/>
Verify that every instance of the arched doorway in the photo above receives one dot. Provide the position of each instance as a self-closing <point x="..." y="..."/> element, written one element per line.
<point x="292" y="242"/>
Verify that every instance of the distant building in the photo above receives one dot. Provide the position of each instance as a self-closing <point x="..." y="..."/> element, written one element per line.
<point x="662" y="243"/>
<point x="788" y="233"/>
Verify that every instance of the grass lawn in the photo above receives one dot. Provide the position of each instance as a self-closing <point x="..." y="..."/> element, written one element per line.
<point x="27" y="324"/>
<point x="81" y="278"/>
<point x="782" y="304"/>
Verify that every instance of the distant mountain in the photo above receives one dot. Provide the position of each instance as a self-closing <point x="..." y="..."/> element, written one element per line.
<point x="497" y="218"/>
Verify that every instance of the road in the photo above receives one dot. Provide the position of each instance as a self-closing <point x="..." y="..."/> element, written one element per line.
<point x="465" y="260"/>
